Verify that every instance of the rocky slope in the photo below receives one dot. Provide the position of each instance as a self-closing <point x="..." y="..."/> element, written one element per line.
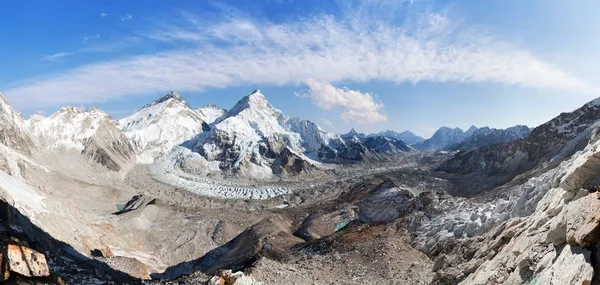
<point x="163" y="124"/>
<point x="551" y="142"/>
<point x="542" y="232"/>
<point x="490" y="136"/>
<point x="443" y="137"/>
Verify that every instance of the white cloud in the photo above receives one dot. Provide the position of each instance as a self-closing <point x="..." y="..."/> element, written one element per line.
<point x="348" y="48"/>
<point x="127" y="17"/>
<point x="103" y="14"/>
<point x="360" y="107"/>
<point x="57" y="55"/>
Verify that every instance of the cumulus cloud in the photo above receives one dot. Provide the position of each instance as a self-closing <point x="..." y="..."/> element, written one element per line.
<point x="349" y="48"/>
<point x="360" y="107"/>
<point x="126" y="17"/>
<point x="103" y="14"/>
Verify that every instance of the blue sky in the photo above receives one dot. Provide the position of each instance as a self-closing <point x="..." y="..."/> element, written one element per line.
<point x="369" y="64"/>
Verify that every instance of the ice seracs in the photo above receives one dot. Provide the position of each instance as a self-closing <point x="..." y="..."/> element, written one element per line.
<point x="161" y="125"/>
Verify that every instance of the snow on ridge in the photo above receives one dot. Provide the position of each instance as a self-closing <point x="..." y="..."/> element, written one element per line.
<point x="210" y="113"/>
<point x="161" y="125"/>
<point x="68" y="127"/>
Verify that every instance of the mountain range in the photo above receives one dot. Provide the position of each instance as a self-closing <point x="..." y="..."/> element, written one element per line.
<point x="280" y="186"/>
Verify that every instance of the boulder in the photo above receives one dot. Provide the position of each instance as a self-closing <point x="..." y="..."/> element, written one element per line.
<point x="26" y="261"/>
<point x="227" y="277"/>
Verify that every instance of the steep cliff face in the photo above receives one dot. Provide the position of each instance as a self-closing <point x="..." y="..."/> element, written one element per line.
<point x="552" y="141"/>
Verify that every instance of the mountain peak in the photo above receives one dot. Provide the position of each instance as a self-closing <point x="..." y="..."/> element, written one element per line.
<point x="170" y="96"/>
<point x="69" y="110"/>
<point x="256" y="96"/>
<point x="254" y="100"/>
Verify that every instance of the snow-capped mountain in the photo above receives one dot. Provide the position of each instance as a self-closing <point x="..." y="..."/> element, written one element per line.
<point x="254" y="139"/>
<point x="443" y="137"/>
<point x="353" y="133"/>
<point x="251" y="140"/>
<point x="489" y="136"/>
<point x="210" y="113"/>
<point x="67" y="128"/>
<point x="383" y="144"/>
<point x="407" y="136"/>
<point x="553" y="141"/>
<point x="163" y="124"/>
<point x="12" y="131"/>
<point x="92" y="133"/>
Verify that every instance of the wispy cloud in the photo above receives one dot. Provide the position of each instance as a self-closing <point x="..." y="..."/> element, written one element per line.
<point x="103" y="14"/>
<point x="126" y="17"/>
<point x="333" y="49"/>
<point x="85" y="39"/>
<point x="360" y="107"/>
<point x="57" y="55"/>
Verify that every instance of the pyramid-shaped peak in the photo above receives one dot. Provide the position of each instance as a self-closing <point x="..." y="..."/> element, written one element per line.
<point x="170" y="96"/>
<point x="254" y="100"/>
<point x="93" y="109"/>
<point x="96" y="111"/>
<point x="256" y="96"/>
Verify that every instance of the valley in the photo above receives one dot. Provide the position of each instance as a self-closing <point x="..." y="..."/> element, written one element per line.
<point x="174" y="195"/>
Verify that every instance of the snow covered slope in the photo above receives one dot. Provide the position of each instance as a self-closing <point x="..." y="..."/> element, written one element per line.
<point x="92" y="133"/>
<point x="12" y="131"/>
<point x="210" y="113"/>
<point x="248" y="139"/>
<point x="255" y="140"/>
<point x="163" y="124"/>
<point x="67" y="128"/>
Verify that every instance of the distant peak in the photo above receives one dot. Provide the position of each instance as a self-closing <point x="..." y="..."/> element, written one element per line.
<point x="69" y="109"/>
<point x="170" y="96"/>
<point x="93" y="109"/>
<point x="209" y="106"/>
